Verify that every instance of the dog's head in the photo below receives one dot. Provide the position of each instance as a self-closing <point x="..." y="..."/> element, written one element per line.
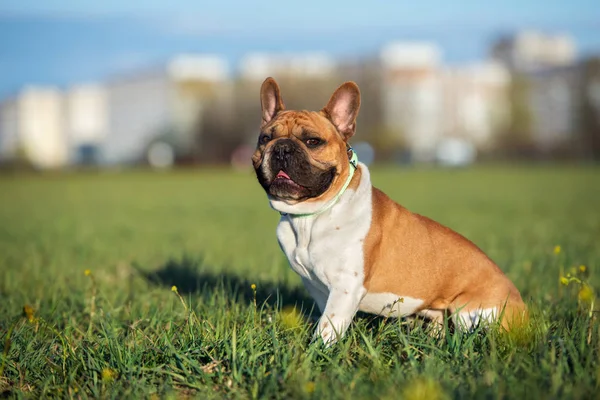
<point x="302" y="156"/>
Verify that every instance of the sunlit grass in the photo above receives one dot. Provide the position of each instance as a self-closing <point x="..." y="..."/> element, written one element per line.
<point x="133" y="285"/>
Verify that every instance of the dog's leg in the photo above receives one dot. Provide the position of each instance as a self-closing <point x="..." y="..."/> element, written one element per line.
<point x="469" y="319"/>
<point x="318" y="296"/>
<point x="340" y="309"/>
<point x="510" y="316"/>
<point x="436" y="322"/>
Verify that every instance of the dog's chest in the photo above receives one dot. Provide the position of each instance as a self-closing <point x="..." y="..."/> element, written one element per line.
<point x="323" y="250"/>
<point x="300" y="240"/>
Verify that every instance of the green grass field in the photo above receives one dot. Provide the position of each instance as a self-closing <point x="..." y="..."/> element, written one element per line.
<point x="119" y="331"/>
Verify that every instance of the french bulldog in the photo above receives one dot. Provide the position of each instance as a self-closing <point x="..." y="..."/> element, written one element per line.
<point x="355" y="248"/>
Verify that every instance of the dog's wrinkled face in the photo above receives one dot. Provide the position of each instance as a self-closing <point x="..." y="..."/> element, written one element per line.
<point x="301" y="154"/>
<point x="295" y="166"/>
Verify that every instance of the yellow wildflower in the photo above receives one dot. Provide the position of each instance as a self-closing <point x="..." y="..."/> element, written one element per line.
<point x="174" y="288"/>
<point x="582" y="268"/>
<point x="28" y="312"/>
<point x="87" y="272"/>
<point x="290" y="318"/>
<point x="489" y="378"/>
<point x="586" y="294"/>
<point x="564" y="280"/>
<point x="309" y="387"/>
<point x="108" y="375"/>
<point x="557" y="249"/>
<point x="253" y="286"/>
<point x="423" y="389"/>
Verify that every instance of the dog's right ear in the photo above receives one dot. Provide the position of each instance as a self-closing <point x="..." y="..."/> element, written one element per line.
<point x="270" y="100"/>
<point x="342" y="109"/>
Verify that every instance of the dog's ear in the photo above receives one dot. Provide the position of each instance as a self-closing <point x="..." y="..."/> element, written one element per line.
<point x="342" y="108"/>
<point x="270" y="100"/>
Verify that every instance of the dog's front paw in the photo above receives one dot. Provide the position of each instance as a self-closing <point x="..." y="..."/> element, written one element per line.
<point x="330" y="330"/>
<point x="327" y="335"/>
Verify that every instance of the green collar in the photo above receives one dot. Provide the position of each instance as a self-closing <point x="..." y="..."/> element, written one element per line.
<point x="353" y="166"/>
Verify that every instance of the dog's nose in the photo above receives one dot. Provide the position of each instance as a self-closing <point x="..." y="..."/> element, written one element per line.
<point x="283" y="149"/>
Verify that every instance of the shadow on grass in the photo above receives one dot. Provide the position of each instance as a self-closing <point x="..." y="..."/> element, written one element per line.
<point x="192" y="276"/>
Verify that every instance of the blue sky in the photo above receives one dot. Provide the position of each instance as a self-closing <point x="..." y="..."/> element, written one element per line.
<point x="62" y="42"/>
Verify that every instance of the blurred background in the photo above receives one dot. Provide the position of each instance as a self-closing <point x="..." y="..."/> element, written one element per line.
<point x="165" y="84"/>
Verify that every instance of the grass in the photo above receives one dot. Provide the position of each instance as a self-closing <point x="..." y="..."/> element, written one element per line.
<point x="95" y="256"/>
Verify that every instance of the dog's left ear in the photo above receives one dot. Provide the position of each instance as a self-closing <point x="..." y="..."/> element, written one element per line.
<point x="270" y="100"/>
<point x="342" y="108"/>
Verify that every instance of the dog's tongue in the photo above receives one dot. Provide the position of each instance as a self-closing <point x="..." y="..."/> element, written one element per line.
<point x="282" y="174"/>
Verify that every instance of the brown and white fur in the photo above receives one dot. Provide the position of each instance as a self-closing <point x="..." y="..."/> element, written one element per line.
<point x="366" y="252"/>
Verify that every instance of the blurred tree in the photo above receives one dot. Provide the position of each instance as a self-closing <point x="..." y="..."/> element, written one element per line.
<point x="367" y="75"/>
<point x="387" y="142"/>
<point x="22" y="155"/>
<point x="21" y="161"/>
<point x="589" y="118"/>
<point x="517" y="138"/>
<point x="215" y="133"/>
<point x="236" y="121"/>
<point x="217" y="136"/>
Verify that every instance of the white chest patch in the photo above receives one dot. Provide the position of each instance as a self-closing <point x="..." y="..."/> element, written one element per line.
<point x="328" y="248"/>
<point x="327" y="251"/>
<point x="294" y="237"/>
<point x="389" y="304"/>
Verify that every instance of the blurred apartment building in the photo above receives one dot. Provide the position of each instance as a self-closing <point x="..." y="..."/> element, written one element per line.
<point x="192" y="106"/>
<point x="86" y="122"/>
<point x="545" y="65"/>
<point x="306" y="80"/>
<point x="32" y="127"/>
<point x="412" y="95"/>
<point x="257" y="66"/>
<point x="429" y="104"/>
<point x="475" y="102"/>
<point x="565" y="108"/>
<point x="531" y="50"/>
<point x="562" y="90"/>
<point x="147" y="116"/>
<point x="554" y="100"/>
<point x="152" y="113"/>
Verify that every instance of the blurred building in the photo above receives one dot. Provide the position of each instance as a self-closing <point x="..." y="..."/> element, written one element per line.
<point x="565" y="108"/>
<point x="32" y="128"/>
<point x="366" y="72"/>
<point x="162" y="107"/>
<point x="259" y="66"/>
<point x="553" y="105"/>
<point x="475" y="102"/>
<point x="412" y="95"/>
<point x="307" y="80"/>
<point x="191" y="109"/>
<point x="531" y="50"/>
<point x="86" y="122"/>
<point x="547" y="90"/>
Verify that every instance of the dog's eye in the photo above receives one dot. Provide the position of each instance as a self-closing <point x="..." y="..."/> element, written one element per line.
<point x="264" y="139"/>
<point x="314" y="142"/>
